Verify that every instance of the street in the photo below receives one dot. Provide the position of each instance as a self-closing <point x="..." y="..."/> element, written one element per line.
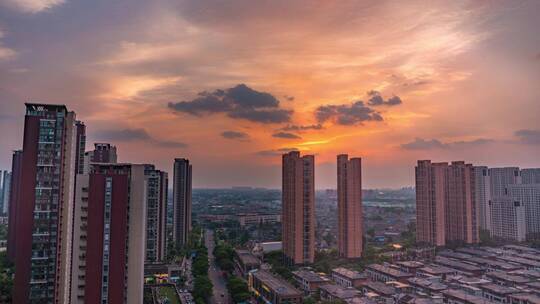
<point x="220" y="293"/>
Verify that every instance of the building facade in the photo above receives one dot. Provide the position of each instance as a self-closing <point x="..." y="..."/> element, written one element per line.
<point x="530" y="176"/>
<point x="500" y="178"/>
<point x="113" y="249"/>
<point x="181" y="201"/>
<point x="43" y="224"/>
<point x="14" y="203"/>
<point x="507" y="219"/>
<point x="529" y="196"/>
<point x="298" y="199"/>
<point x="6" y="190"/>
<point x="156" y="214"/>
<point x="482" y="196"/>
<point x="349" y="190"/>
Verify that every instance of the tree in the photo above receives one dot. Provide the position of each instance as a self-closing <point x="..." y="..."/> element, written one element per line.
<point x="6" y="278"/>
<point x="238" y="289"/>
<point x="202" y="288"/>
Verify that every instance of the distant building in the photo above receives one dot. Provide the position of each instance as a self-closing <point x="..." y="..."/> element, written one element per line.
<point x="348" y="278"/>
<point x="529" y="196"/>
<point x="507" y="219"/>
<point x="157" y="184"/>
<point x="182" y="188"/>
<point x="298" y="199"/>
<point x="248" y="219"/>
<point x="102" y="153"/>
<point x="309" y="281"/>
<point x="482" y="195"/>
<point x="14" y="203"/>
<point x="530" y="176"/>
<point x="44" y="205"/>
<point x="272" y="289"/>
<point x="501" y="178"/>
<point x="349" y="189"/>
<point x="446" y="203"/>
<point x="6" y="189"/>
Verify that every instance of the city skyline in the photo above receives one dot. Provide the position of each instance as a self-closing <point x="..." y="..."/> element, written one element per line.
<point x="164" y="80"/>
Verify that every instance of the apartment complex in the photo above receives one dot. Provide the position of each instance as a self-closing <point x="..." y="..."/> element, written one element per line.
<point x="349" y="190"/>
<point x="181" y="201"/>
<point x="298" y="199"/>
<point x="446" y="203"/>
<point x="156" y="214"/>
<point x="507" y="219"/>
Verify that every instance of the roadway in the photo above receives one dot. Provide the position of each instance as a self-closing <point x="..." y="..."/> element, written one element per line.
<point x="214" y="273"/>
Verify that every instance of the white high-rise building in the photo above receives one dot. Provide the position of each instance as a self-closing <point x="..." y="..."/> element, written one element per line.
<point x="530" y="176"/>
<point x="529" y="196"/>
<point x="507" y="219"/>
<point x="482" y="195"/>
<point x="500" y="178"/>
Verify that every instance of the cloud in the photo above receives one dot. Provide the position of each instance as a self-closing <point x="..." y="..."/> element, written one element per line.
<point x="426" y="144"/>
<point x="239" y="102"/>
<point x="275" y="152"/>
<point x="234" y="135"/>
<point x="133" y="135"/>
<point x="355" y="113"/>
<point x="31" y="6"/>
<point x="375" y="99"/>
<point x="531" y="137"/>
<point x="302" y="127"/>
<point x="5" y="53"/>
<point x="286" y="135"/>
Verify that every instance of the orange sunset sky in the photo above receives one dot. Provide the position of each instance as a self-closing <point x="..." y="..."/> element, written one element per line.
<point x="232" y="84"/>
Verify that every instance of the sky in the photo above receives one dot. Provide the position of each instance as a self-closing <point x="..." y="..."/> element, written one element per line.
<point x="232" y="85"/>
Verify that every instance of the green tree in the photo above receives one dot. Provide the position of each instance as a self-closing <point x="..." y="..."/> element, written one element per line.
<point x="202" y="288"/>
<point x="238" y="289"/>
<point x="6" y="278"/>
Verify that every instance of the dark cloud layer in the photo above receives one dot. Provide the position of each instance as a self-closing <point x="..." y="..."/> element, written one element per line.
<point x="427" y="144"/>
<point x="239" y="102"/>
<point x="275" y="152"/>
<point x="132" y="135"/>
<point x="531" y="137"/>
<point x="234" y="135"/>
<point x="302" y="127"/>
<point x="286" y="135"/>
<point x="347" y="114"/>
<point x="375" y="99"/>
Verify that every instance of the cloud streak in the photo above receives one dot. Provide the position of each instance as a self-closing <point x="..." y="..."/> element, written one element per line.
<point x="428" y="144"/>
<point x="31" y="6"/>
<point x="286" y="135"/>
<point x="530" y="137"/>
<point x="347" y="114"/>
<point x="137" y="135"/>
<point x="234" y="135"/>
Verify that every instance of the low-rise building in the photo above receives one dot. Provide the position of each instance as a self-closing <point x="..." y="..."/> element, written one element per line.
<point x="348" y="278"/>
<point x="435" y="271"/>
<point x="309" y="281"/>
<point x="245" y="261"/>
<point x="463" y="268"/>
<point x="427" y="287"/>
<point x="247" y="219"/>
<point x="409" y="266"/>
<point x="377" y="272"/>
<point x="524" y="298"/>
<point x="505" y="279"/>
<point x="332" y="292"/>
<point x="379" y="292"/>
<point x="272" y="289"/>
<point x="497" y="293"/>
<point x="456" y="296"/>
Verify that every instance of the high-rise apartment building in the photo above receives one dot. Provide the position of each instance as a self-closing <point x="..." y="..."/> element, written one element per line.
<point x="482" y="195"/>
<point x="461" y="226"/>
<point x="43" y="222"/>
<point x="349" y="190"/>
<point x="6" y="190"/>
<point x="500" y="178"/>
<point x="529" y="196"/>
<point x="14" y="204"/>
<point x="298" y="207"/>
<point x="2" y="190"/>
<point x="102" y="153"/>
<point x="507" y="219"/>
<point x="431" y="200"/>
<point x="530" y="176"/>
<point x="445" y="203"/>
<point x="181" y="201"/>
<point x="110" y="249"/>
<point x="156" y="214"/>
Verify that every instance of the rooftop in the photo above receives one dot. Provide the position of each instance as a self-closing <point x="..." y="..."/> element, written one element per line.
<point x="508" y="277"/>
<point x="389" y="271"/>
<point x="349" y="274"/>
<point x="276" y="284"/>
<point x="437" y="269"/>
<point x="410" y="264"/>
<point x="464" y="297"/>
<point x="498" y="289"/>
<point x="340" y="292"/>
<point x="528" y="297"/>
<point x="309" y="276"/>
<point x="380" y="288"/>
<point x="457" y="264"/>
<point x="246" y="257"/>
<point x="433" y="286"/>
